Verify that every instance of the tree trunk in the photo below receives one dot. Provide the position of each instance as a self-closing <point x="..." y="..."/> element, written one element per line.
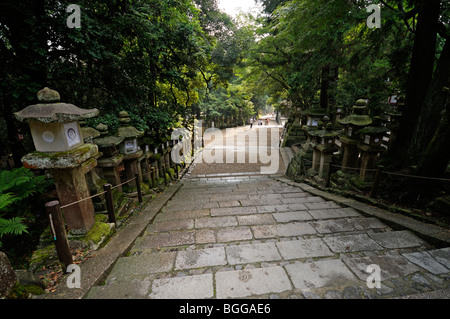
<point x="419" y="77"/>
<point x="437" y="154"/>
<point x="325" y="83"/>
<point x="433" y="106"/>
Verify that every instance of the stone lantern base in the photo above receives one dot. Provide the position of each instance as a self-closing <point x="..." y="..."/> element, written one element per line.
<point x="325" y="156"/>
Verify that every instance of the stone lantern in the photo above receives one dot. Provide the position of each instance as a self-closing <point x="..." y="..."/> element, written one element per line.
<point x="295" y="132"/>
<point x="129" y="147"/>
<point x="393" y="124"/>
<point x="297" y="114"/>
<point x="60" y="148"/>
<point x="314" y="116"/>
<point x="350" y="138"/>
<point x="339" y="112"/>
<point x="370" y="146"/>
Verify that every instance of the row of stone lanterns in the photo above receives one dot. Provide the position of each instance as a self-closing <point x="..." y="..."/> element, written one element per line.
<point x="361" y="140"/>
<point x="71" y="153"/>
<point x="222" y="122"/>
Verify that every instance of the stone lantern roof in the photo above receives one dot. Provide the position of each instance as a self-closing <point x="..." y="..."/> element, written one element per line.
<point x="106" y="140"/>
<point x="50" y="110"/>
<point x="328" y="132"/>
<point x="315" y="111"/>
<point x="375" y="128"/>
<point x="357" y="118"/>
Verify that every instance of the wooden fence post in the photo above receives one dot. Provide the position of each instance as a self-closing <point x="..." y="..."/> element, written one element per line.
<point x="153" y="177"/>
<point x="164" y="173"/>
<point x="138" y="187"/>
<point x="376" y="182"/>
<point x="328" y="180"/>
<point x="110" y="204"/>
<point x="59" y="234"/>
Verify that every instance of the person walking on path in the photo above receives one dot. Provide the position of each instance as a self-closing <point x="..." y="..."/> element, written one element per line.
<point x="251" y="122"/>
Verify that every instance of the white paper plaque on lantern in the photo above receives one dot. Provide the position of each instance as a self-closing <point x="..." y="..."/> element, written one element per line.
<point x="72" y="134"/>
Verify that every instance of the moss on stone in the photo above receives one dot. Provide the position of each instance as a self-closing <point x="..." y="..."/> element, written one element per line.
<point x="23" y="291"/>
<point x="98" y="234"/>
<point x="357" y="120"/>
<point x="315" y="111"/>
<point x="43" y="256"/>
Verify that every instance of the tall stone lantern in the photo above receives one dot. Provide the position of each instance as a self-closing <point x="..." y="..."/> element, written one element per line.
<point x="60" y="149"/>
<point x="350" y="138"/>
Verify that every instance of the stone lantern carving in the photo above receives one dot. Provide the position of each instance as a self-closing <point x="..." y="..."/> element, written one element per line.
<point x="60" y="148"/>
<point x="129" y="147"/>
<point x="370" y="145"/>
<point x="54" y="126"/>
<point x="350" y="138"/>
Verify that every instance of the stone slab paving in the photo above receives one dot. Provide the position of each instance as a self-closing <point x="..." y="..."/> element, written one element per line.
<point x="249" y="235"/>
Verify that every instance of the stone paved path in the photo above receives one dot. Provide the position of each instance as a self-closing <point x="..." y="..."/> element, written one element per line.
<point x="248" y="235"/>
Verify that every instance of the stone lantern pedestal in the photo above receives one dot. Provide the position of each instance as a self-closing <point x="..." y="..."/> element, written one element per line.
<point x="349" y="141"/>
<point x="60" y="148"/>
<point x="154" y="159"/>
